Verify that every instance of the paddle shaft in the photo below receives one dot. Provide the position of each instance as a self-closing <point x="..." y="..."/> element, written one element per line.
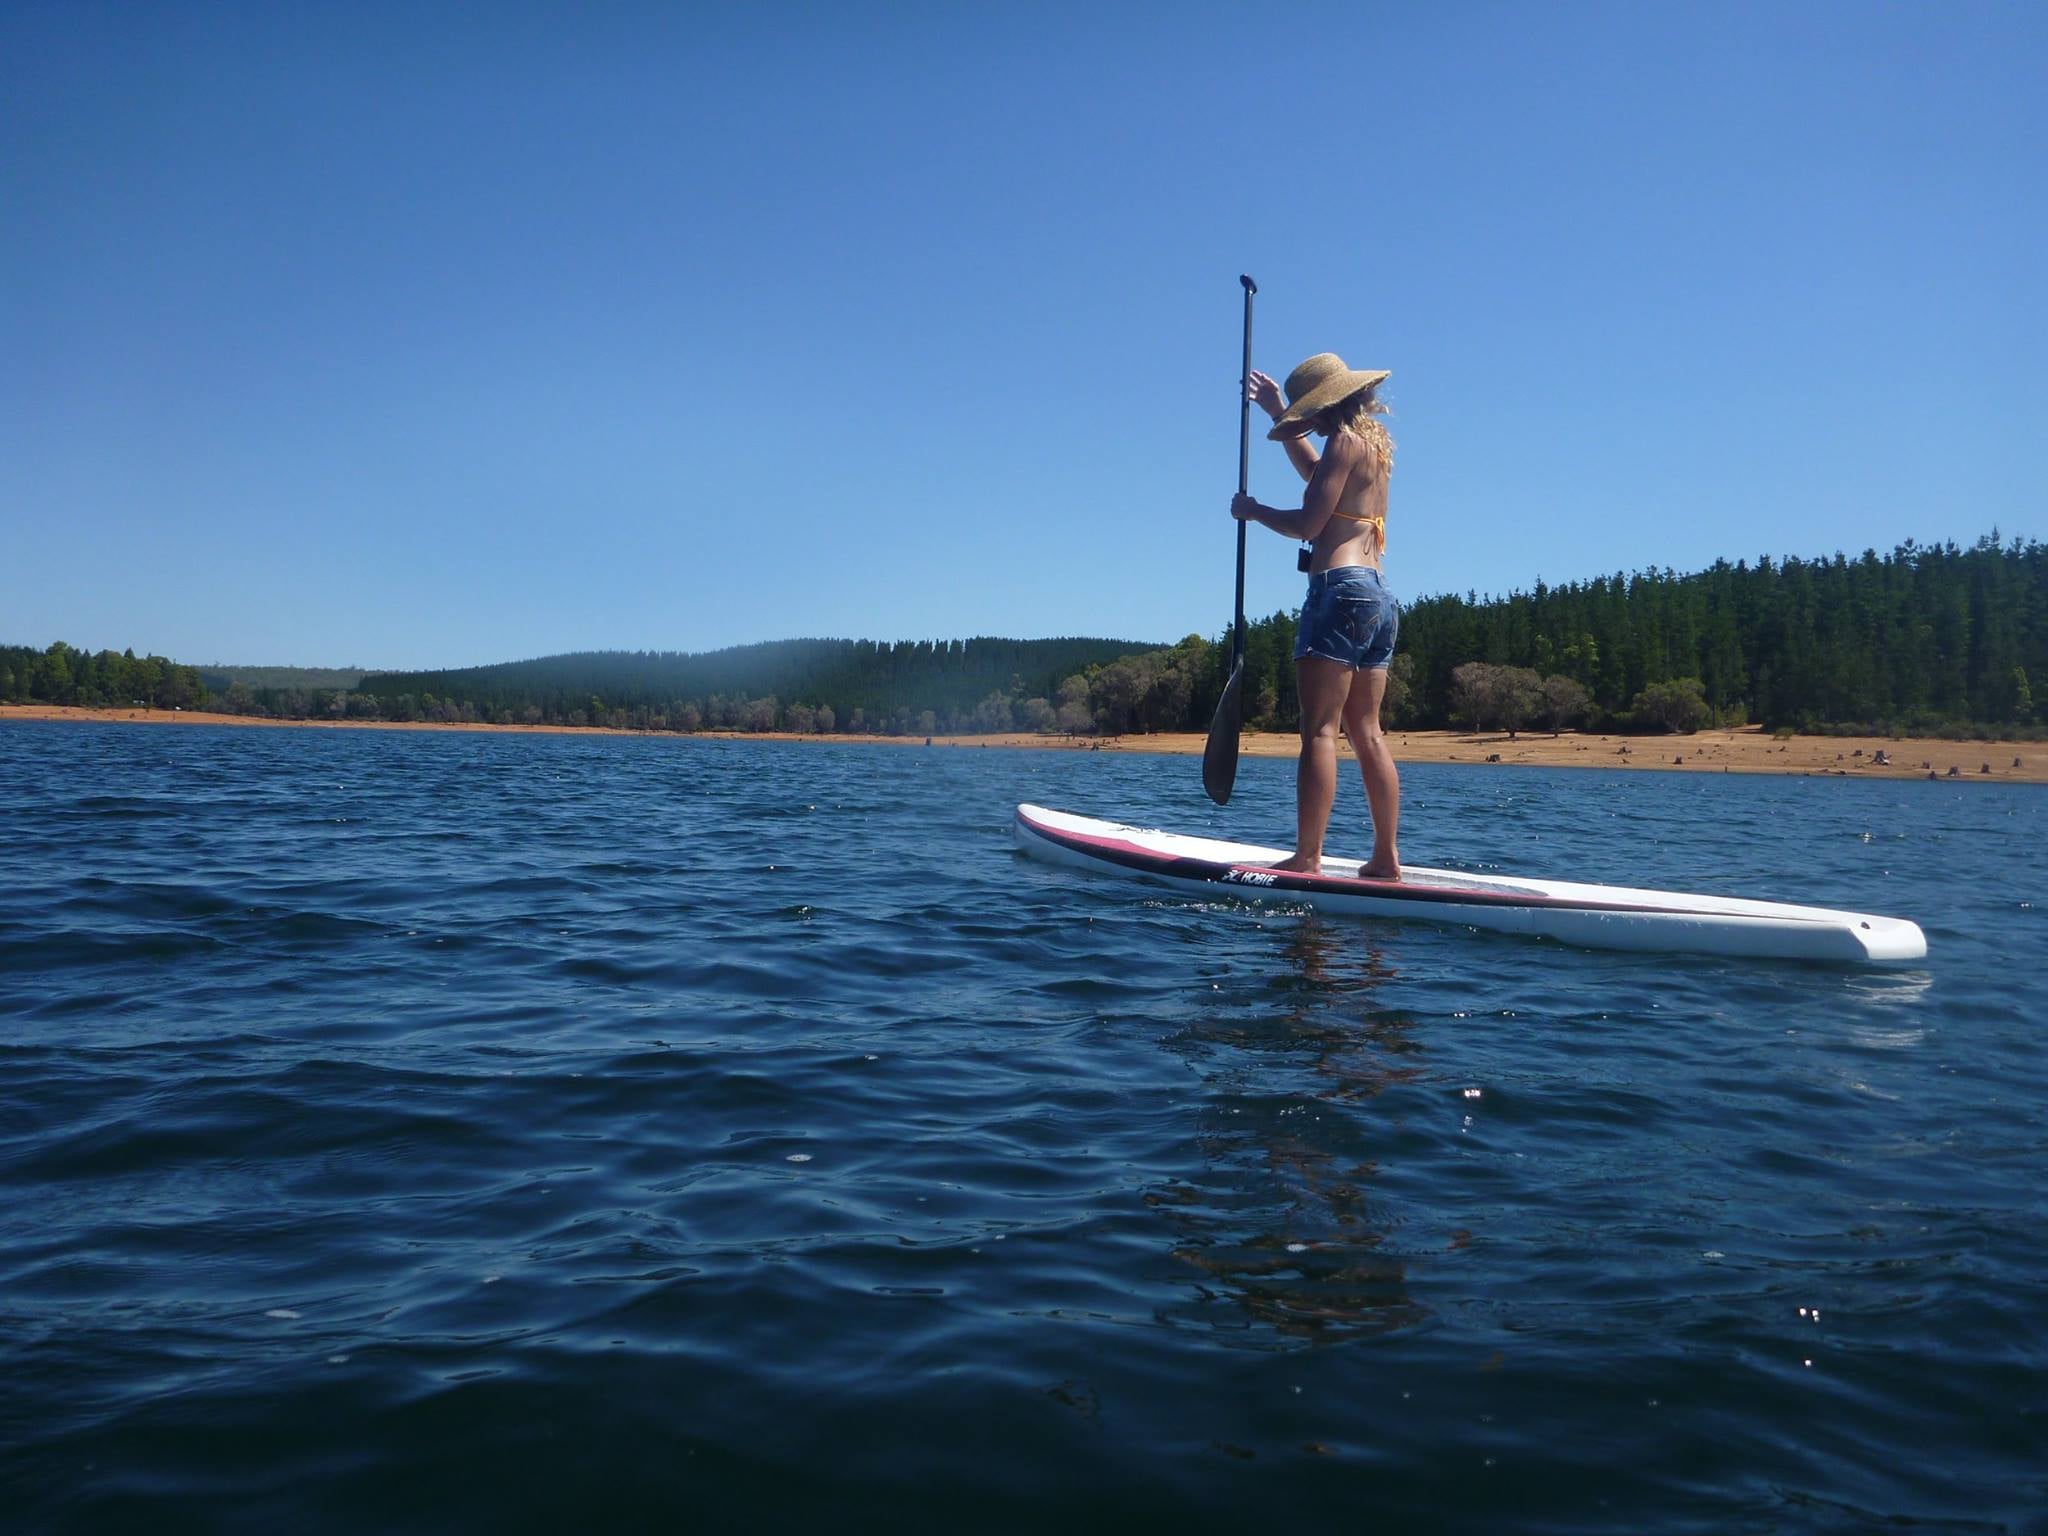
<point x="1244" y="459"/>
<point x="1219" y="755"/>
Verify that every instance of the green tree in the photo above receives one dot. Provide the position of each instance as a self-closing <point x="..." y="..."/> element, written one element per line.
<point x="1565" y="702"/>
<point x="1487" y="697"/>
<point x="53" y="675"/>
<point x="1400" y="695"/>
<point x="1680" y="705"/>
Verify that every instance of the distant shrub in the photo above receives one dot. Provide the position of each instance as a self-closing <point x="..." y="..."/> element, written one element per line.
<point x="1679" y="705"/>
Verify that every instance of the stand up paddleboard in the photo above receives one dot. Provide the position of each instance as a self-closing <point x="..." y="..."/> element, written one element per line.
<point x="1597" y="916"/>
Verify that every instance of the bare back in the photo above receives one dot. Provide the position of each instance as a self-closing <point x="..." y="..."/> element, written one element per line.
<point x="1356" y="532"/>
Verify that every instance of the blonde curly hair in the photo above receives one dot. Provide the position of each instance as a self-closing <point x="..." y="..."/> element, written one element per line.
<point x="1360" y="416"/>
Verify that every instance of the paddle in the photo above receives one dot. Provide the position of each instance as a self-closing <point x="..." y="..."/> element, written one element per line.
<point x="1219" y="757"/>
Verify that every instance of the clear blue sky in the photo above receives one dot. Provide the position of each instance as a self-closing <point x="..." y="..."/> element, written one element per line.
<point x="423" y="334"/>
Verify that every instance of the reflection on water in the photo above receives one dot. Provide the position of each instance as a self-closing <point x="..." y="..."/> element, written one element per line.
<point x="1282" y="1229"/>
<point x="1888" y="989"/>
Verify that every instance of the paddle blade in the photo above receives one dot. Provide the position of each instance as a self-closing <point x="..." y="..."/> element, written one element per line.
<point x="1219" y="757"/>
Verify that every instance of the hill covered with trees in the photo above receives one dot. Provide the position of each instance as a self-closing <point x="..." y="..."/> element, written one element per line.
<point x="917" y="686"/>
<point x="108" y="679"/>
<point x="220" y="677"/>
<point x="1923" y="638"/>
<point x="1934" y="639"/>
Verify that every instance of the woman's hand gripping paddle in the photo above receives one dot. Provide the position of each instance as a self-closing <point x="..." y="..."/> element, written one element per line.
<point x="1219" y="757"/>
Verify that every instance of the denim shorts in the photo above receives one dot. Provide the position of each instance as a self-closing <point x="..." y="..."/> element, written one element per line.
<point x="1349" y="617"/>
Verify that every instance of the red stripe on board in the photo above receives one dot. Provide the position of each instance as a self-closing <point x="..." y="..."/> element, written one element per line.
<point x="1129" y="854"/>
<point x="1154" y="856"/>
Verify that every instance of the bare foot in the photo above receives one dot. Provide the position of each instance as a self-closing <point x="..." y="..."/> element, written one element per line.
<point x="1300" y="864"/>
<point x="1379" y="871"/>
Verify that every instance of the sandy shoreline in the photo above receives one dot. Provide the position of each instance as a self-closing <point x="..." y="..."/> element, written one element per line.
<point x="1742" y="751"/>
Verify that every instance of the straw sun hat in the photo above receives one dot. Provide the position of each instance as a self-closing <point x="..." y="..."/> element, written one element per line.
<point x="1315" y="386"/>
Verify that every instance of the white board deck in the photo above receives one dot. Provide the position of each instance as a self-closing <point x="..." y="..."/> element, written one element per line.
<point x="1596" y="916"/>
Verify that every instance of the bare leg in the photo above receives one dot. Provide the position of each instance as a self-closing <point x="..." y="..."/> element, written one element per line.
<point x="1376" y="763"/>
<point x="1323" y="686"/>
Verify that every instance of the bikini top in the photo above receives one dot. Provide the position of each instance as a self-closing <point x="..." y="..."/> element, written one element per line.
<point x="1377" y="523"/>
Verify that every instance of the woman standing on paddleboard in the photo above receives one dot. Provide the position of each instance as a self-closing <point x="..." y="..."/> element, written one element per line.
<point x="1349" y="620"/>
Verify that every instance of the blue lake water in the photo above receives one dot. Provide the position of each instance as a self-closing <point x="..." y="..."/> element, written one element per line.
<point x="462" y="1132"/>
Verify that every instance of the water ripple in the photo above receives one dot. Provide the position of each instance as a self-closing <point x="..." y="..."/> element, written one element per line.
<point x="450" y="1131"/>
